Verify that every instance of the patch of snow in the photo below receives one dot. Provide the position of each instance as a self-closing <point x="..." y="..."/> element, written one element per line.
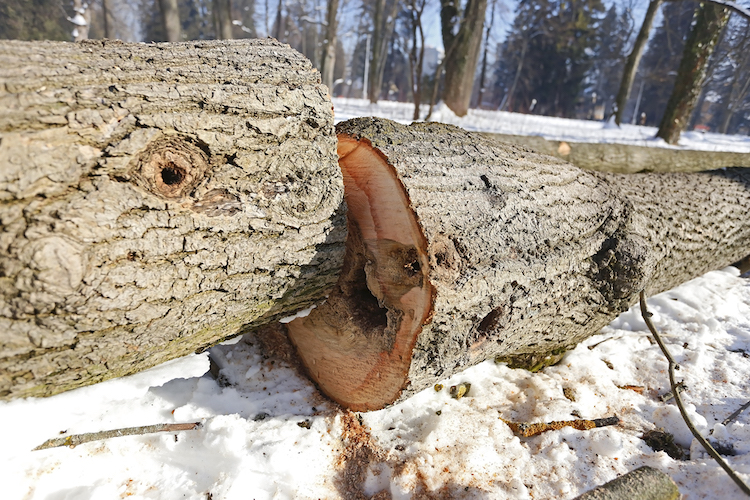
<point x="78" y="20"/>
<point x="551" y="128"/>
<point x="299" y="314"/>
<point x="269" y="434"/>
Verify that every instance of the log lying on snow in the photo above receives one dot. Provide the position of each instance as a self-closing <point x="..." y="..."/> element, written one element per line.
<point x="156" y="199"/>
<point x="626" y="158"/>
<point x="461" y="249"/>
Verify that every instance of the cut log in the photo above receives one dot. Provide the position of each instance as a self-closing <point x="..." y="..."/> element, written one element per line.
<point x="157" y="199"/>
<point x="461" y="249"/>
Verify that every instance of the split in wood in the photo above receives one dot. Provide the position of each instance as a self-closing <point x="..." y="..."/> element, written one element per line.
<point x="678" y="399"/>
<point x="528" y="430"/>
<point x="77" y="439"/>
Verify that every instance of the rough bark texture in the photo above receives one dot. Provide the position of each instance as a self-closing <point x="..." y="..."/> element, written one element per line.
<point x="634" y="59"/>
<point x="156" y="199"/>
<point x="627" y="159"/>
<point x="691" y="74"/>
<point x="463" y="45"/>
<point x="516" y="254"/>
<point x="644" y="483"/>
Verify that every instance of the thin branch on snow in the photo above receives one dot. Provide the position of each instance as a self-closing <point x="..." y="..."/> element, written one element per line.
<point x="527" y="430"/>
<point x="736" y="414"/>
<point x="678" y="399"/>
<point x="76" y="439"/>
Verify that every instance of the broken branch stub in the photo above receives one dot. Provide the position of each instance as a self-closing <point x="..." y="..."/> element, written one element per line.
<point x="461" y="249"/>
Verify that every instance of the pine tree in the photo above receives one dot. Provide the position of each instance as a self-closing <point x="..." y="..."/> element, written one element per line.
<point x="604" y="78"/>
<point x="548" y="54"/>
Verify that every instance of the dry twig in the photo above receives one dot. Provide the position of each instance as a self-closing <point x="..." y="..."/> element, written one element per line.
<point x="528" y="430"/>
<point x="672" y="365"/>
<point x="736" y="414"/>
<point x="76" y="439"/>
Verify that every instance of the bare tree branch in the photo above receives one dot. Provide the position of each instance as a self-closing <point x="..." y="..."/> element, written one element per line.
<point x="678" y="399"/>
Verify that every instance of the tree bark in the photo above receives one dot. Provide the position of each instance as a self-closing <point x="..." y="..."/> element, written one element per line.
<point x="223" y="19"/>
<point x="461" y="249"/>
<point x="699" y="46"/>
<point x="634" y="59"/>
<point x="461" y="65"/>
<point x="329" y="45"/>
<point x="155" y="200"/>
<point x="170" y="19"/>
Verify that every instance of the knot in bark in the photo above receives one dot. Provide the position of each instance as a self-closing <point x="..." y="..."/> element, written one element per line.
<point x="171" y="167"/>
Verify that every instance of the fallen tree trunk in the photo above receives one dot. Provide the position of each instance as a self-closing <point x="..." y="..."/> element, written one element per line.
<point x="461" y="249"/>
<point x="155" y="200"/>
<point x="626" y="158"/>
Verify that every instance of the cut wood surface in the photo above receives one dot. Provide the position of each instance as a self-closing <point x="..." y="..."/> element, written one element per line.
<point x="626" y="158"/>
<point x="156" y="199"/>
<point x="461" y="249"/>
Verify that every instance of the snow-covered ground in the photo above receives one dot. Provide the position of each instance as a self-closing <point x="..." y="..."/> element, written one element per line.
<point x="558" y="129"/>
<point x="268" y="434"/>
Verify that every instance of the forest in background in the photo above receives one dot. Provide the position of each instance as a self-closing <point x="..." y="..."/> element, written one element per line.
<point x="558" y="57"/>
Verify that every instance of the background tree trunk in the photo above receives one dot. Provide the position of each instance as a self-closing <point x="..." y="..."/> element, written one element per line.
<point x="461" y="65"/>
<point x="699" y="46"/>
<point x="81" y="20"/>
<point x="634" y="58"/>
<point x="384" y="20"/>
<point x="222" y="11"/>
<point x="108" y="19"/>
<point x="483" y="72"/>
<point x="155" y="200"/>
<point x="170" y="18"/>
<point x="461" y="249"/>
<point x="329" y="45"/>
